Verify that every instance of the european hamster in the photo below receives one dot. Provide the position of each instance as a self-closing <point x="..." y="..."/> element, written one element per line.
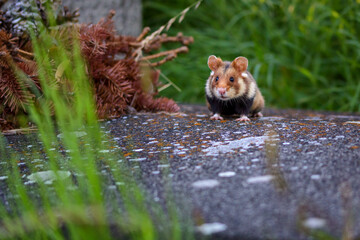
<point x="232" y="90"/>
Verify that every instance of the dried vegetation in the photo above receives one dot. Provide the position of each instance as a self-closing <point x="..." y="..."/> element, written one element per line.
<point x="121" y="68"/>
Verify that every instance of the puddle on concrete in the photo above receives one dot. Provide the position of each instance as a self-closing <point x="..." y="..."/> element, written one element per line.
<point x="315" y="177"/>
<point x="271" y="118"/>
<point x="314" y="143"/>
<point x="207" y="183"/>
<point x="104" y="151"/>
<point x="227" y="174"/>
<point x="231" y="145"/>
<point x="342" y="117"/>
<point x="48" y="177"/>
<point x="137" y="159"/>
<point x="313" y="119"/>
<point x="260" y="179"/>
<point x="314" y="223"/>
<point x="352" y="122"/>
<point x="138" y="150"/>
<point x="163" y="165"/>
<point x="210" y="228"/>
<point x="3" y="178"/>
<point x="77" y="134"/>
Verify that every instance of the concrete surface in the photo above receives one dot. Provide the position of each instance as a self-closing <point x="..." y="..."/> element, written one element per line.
<point x="286" y="175"/>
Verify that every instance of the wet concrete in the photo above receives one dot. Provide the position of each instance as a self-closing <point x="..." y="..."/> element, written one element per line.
<point x="282" y="176"/>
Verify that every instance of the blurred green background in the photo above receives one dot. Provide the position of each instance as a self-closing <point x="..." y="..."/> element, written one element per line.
<point x="303" y="53"/>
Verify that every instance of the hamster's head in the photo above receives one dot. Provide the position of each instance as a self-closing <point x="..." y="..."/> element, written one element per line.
<point x="228" y="80"/>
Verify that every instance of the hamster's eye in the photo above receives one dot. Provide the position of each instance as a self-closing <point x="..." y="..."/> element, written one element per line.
<point x="231" y="79"/>
<point x="217" y="78"/>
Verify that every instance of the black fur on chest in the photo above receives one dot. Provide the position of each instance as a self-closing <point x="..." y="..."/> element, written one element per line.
<point x="238" y="106"/>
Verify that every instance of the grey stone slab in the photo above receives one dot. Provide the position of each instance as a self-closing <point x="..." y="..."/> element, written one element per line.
<point x="281" y="176"/>
<point x="231" y="173"/>
<point x="128" y="17"/>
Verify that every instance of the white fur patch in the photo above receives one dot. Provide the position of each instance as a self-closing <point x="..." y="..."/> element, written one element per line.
<point x="231" y="93"/>
<point x="242" y="87"/>
<point x="252" y="90"/>
<point x="244" y="75"/>
<point x="208" y="87"/>
<point x="212" y="73"/>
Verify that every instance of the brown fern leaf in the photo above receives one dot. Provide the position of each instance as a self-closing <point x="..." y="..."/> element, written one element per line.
<point x="5" y="56"/>
<point x="4" y="124"/>
<point x="114" y="88"/>
<point x="112" y="65"/>
<point x="107" y="108"/>
<point x="113" y="78"/>
<point x="30" y="69"/>
<point x="12" y="94"/>
<point x="118" y="82"/>
<point x="92" y="42"/>
<point x="100" y="42"/>
<point x="5" y="37"/>
<point x="148" y="103"/>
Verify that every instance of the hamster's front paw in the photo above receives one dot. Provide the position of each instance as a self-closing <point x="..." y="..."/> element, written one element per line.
<point x="216" y="116"/>
<point x="259" y="114"/>
<point x="243" y="118"/>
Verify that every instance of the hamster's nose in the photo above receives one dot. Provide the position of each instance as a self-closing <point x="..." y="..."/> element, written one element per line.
<point x="222" y="91"/>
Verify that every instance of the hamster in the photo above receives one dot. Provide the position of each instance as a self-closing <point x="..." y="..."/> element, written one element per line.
<point x="232" y="90"/>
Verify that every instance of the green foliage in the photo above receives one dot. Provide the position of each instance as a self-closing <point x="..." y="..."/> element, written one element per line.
<point x="304" y="54"/>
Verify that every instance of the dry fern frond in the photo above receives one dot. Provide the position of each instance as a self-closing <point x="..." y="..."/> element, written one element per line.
<point x="13" y="94"/>
<point x="113" y="62"/>
<point x="148" y="103"/>
<point x="145" y="42"/>
<point x="119" y="82"/>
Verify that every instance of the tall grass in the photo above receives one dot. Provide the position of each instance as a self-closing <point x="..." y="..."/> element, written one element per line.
<point x="88" y="193"/>
<point x="304" y="54"/>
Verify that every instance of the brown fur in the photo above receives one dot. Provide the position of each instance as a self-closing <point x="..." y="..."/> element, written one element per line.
<point x="224" y="79"/>
<point x="240" y="64"/>
<point x="258" y="104"/>
<point x="214" y="62"/>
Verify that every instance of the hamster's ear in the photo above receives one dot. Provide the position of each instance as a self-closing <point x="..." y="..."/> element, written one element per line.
<point x="214" y="62"/>
<point x="240" y="64"/>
